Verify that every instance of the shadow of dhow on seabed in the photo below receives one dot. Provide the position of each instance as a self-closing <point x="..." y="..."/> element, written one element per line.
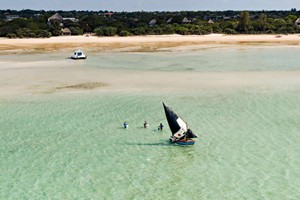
<point x="163" y="143"/>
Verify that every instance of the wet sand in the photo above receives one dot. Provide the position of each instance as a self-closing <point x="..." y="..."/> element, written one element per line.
<point x="28" y="80"/>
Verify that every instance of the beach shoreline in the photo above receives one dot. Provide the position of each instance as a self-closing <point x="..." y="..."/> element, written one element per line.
<point x="149" y="43"/>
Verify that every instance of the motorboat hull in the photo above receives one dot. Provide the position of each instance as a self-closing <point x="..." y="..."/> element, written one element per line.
<point x="80" y="58"/>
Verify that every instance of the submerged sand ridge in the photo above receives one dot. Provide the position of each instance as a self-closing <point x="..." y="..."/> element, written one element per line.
<point x="85" y="85"/>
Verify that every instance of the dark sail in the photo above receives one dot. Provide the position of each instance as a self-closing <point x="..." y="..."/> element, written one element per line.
<point x="172" y="119"/>
<point x="190" y="134"/>
<point x="181" y="134"/>
<point x="179" y="128"/>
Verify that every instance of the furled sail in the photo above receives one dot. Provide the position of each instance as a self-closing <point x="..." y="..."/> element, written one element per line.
<point x="178" y="127"/>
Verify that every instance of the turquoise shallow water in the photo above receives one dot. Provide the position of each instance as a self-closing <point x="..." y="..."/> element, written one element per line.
<point x="73" y="146"/>
<point x="213" y="59"/>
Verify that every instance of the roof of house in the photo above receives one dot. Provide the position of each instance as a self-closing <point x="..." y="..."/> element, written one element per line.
<point x="186" y="20"/>
<point x="211" y="21"/>
<point x="66" y="30"/>
<point x="152" y="22"/>
<point x="108" y="14"/>
<point x="170" y="20"/>
<point x="70" y="19"/>
<point x="11" y="17"/>
<point x="56" y="16"/>
<point x="298" y="20"/>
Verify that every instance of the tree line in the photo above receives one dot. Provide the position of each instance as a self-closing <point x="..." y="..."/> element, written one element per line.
<point x="32" y="23"/>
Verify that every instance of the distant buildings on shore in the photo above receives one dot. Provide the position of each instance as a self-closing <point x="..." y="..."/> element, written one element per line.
<point x="11" y="17"/>
<point x="297" y="22"/>
<point x="57" y="18"/>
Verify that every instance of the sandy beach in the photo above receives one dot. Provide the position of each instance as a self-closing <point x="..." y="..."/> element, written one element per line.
<point x="44" y="76"/>
<point x="139" y="43"/>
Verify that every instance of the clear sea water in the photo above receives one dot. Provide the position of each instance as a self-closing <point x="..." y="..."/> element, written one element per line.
<point x="73" y="146"/>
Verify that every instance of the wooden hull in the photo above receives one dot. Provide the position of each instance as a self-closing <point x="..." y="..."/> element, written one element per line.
<point x="190" y="142"/>
<point x="183" y="142"/>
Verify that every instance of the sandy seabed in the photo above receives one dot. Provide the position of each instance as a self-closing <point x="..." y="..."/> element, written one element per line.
<point x="30" y="78"/>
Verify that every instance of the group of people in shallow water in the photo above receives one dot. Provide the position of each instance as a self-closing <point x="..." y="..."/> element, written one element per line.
<point x="146" y="125"/>
<point x="160" y="126"/>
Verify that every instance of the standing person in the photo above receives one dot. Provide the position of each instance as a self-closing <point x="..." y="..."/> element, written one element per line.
<point x="160" y="127"/>
<point x="146" y="125"/>
<point x="125" y="125"/>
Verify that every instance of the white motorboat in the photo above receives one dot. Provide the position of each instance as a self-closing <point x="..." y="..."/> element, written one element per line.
<point x="78" y="54"/>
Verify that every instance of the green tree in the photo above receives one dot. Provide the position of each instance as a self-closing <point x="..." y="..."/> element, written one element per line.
<point x="106" y="31"/>
<point x="91" y="22"/>
<point x="293" y="18"/>
<point x="76" y="30"/>
<point x="229" y="24"/>
<point x="263" y="22"/>
<point x="11" y="35"/>
<point x="4" y="30"/>
<point x="230" y="31"/>
<point x="168" y="29"/>
<point x="18" y="23"/>
<point x="110" y="31"/>
<point x="124" y="33"/>
<point x="156" y="30"/>
<point x="244" y="23"/>
<point x="43" y="34"/>
<point x="56" y="31"/>
<point x="33" y="27"/>
<point x="216" y="28"/>
<point x="138" y="31"/>
<point x="25" y="33"/>
<point x="280" y="25"/>
<point x="182" y="31"/>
